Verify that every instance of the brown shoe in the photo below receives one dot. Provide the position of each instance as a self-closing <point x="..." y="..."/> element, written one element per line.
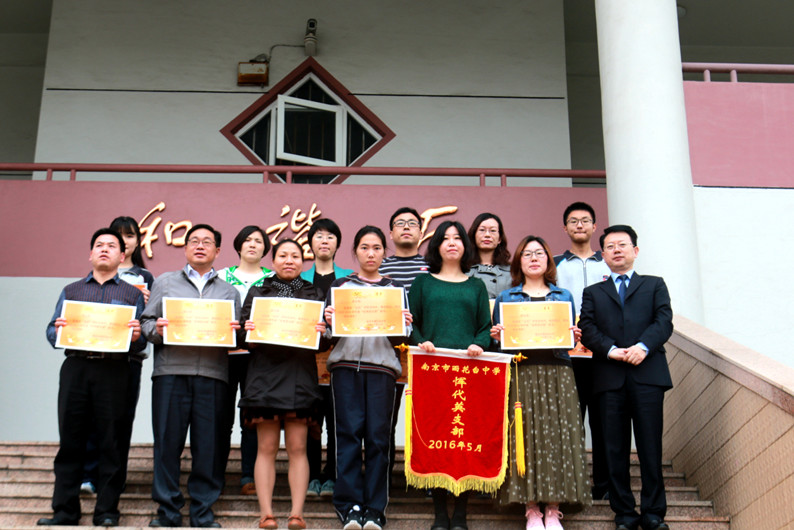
<point x="268" y="521"/>
<point x="296" y="522"/>
<point x="248" y="489"/>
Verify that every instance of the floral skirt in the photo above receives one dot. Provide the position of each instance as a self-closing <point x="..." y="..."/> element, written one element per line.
<point x="554" y="447"/>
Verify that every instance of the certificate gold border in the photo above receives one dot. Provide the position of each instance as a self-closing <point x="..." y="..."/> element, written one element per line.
<point x="565" y="342"/>
<point x="343" y="329"/>
<point x="273" y="304"/>
<point x="225" y="308"/>
<point x="73" y="332"/>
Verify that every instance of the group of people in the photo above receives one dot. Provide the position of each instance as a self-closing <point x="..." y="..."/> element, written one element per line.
<point x="624" y="319"/>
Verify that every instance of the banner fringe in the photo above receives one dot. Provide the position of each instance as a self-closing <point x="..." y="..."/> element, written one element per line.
<point x="489" y="486"/>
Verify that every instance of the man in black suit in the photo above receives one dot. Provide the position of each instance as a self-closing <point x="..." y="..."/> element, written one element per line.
<point x="625" y="321"/>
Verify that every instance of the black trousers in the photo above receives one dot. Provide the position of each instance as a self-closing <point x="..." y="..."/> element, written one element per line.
<point x="92" y="395"/>
<point x="363" y="406"/>
<point x="179" y="402"/>
<point x="238" y="372"/>
<point x="641" y="406"/>
<point x="582" y="371"/>
<point x="314" y="446"/>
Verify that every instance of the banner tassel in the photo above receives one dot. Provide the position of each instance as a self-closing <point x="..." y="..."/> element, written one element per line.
<point x="521" y="461"/>
<point x="520" y="457"/>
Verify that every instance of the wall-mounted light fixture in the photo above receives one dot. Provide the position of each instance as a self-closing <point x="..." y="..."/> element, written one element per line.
<point x="253" y="72"/>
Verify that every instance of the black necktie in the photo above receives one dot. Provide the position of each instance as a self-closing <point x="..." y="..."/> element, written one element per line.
<point x="622" y="288"/>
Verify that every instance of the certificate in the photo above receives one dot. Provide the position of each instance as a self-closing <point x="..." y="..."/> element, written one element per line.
<point x="368" y="311"/>
<point x="198" y="322"/>
<point x="536" y="325"/>
<point x="95" y="327"/>
<point x="286" y="321"/>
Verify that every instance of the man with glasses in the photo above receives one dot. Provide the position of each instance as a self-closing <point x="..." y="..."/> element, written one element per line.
<point x="625" y="321"/>
<point x="577" y="268"/>
<point x="189" y="389"/>
<point x="404" y="266"/>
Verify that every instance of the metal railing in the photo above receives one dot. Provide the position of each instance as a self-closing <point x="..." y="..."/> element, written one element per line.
<point x="734" y="69"/>
<point x="269" y="172"/>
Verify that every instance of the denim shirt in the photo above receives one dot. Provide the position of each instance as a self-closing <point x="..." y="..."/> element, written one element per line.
<point x="555" y="294"/>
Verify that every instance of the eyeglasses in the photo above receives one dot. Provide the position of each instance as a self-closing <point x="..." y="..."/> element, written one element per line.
<point x="537" y="253"/>
<point x="403" y="224"/>
<point x="612" y="247"/>
<point x="572" y="221"/>
<point x="194" y="242"/>
<point x="483" y="230"/>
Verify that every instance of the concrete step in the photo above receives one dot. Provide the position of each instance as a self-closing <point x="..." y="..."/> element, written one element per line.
<point x="26" y="481"/>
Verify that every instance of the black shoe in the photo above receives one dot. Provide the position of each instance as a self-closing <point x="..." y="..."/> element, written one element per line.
<point x="441" y="522"/>
<point x="354" y="520"/>
<point x="373" y="520"/>
<point x="658" y="524"/>
<point x="209" y="524"/>
<point x="107" y="521"/>
<point x="624" y="527"/>
<point x="157" y="522"/>
<point x="56" y="521"/>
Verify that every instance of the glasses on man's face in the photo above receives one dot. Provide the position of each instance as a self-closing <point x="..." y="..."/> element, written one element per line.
<point x="612" y="247"/>
<point x="586" y="221"/>
<point x="194" y="242"/>
<point x="402" y="224"/>
<point x="527" y="254"/>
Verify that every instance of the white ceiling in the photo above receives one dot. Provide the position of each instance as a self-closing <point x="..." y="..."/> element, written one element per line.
<point x="751" y="23"/>
<point x="756" y="23"/>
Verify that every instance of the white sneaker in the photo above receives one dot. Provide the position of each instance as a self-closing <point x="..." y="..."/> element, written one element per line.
<point x="553" y="516"/>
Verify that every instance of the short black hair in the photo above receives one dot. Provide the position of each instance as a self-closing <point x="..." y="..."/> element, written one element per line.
<point x="404" y="209"/>
<point x="128" y="225"/>
<point x="433" y="255"/>
<point x="215" y="233"/>
<point x="578" y="206"/>
<point x="281" y="243"/>
<point x="329" y="226"/>
<point x="243" y="235"/>
<point x="108" y="232"/>
<point x="618" y="228"/>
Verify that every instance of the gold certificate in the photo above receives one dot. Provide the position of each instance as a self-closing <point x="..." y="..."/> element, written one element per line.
<point x="536" y="325"/>
<point x="95" y="327"/>
<point x="286" y="321"/>
<point x="198" y="322"/>
<point x="367" y="311"/>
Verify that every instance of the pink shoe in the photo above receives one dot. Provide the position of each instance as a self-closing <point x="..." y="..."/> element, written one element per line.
<point x="534" y="518"/>
<point x="553" y="516"/>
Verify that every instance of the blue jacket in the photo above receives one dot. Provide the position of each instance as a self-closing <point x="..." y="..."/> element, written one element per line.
<point x="555" y="294"/>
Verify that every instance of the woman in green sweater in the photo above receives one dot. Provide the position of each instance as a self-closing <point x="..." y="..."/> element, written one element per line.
<point x="450" y="310"/>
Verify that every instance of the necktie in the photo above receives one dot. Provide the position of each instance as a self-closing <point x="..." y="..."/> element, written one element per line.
<point x="622" y="289"/>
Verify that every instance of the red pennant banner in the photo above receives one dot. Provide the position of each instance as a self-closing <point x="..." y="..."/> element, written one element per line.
<point x="456" y="420"/>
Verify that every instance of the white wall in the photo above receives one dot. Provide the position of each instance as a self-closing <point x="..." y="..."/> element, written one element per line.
<point x="461" y="83"/>
<point x="746" y="260"/>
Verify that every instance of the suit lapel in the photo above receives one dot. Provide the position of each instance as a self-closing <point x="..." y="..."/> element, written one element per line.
<point x="609" y="287"/>
<point x="634" y="284"/>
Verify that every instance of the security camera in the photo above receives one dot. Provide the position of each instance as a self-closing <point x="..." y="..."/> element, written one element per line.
<point x="311" y="27"/>
<point x="310" y="39"/>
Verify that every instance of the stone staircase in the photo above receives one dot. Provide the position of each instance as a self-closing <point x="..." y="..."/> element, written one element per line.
<point x="26" y="481"/>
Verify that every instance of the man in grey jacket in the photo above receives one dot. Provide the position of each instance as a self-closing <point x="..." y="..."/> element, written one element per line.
<point x="189" y="389"/>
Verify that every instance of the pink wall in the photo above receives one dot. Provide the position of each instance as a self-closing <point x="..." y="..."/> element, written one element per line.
<point x="47" y="226"/>
<point x="741" y="134"/>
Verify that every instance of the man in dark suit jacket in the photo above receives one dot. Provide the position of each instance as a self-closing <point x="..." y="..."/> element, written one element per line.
<point x="625" y="321"/>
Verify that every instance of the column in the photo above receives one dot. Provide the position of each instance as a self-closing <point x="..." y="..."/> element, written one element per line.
<point x="649" y="179"/>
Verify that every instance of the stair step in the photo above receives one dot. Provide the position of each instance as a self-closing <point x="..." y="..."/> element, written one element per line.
<point x="26" y="482"/>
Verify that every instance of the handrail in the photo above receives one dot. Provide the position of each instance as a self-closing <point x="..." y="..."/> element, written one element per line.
<point x="288" y="171"/>
<point x="735" y="68"/>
